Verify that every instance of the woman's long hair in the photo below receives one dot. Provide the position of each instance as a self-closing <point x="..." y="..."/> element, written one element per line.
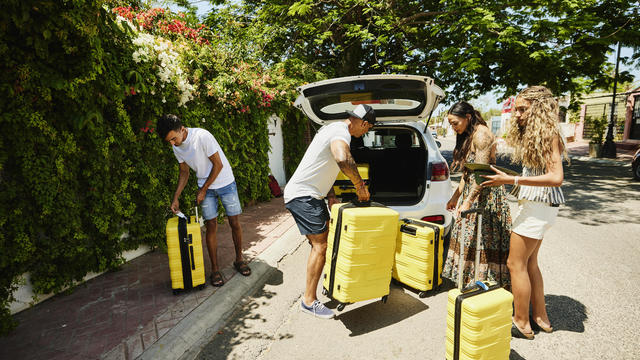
<point x="463" y="141"/>
<point x="532" y="143"/>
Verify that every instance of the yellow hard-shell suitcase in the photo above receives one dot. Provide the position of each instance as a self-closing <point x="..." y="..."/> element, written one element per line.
<point x="418" y="255"/>
<point x="478" y="317"/>
<point x="360" y="249"/>
<point x="344" y="187"/>
<point x="184" y="247"/>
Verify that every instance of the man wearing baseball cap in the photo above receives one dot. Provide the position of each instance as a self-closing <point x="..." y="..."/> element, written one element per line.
<point x="313" y="180"/>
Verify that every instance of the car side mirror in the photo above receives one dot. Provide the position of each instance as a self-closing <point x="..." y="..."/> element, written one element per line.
<point x="439" y="144"/>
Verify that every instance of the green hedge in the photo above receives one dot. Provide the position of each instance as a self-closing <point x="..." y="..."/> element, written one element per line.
<point x="80" y="164"/>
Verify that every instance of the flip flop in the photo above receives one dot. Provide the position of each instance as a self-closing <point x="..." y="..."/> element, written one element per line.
<point x="517" y="333"/>
<point x="536" y="326"/>
<point x="242" y="268"/>
<point x="217" y="279"/>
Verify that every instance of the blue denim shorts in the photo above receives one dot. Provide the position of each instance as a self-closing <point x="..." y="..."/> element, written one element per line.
<point x="228" y="196"/>
<point x="311" y="215"/>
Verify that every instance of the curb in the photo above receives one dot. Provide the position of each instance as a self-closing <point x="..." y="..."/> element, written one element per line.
<point x="601" y="160"/>
<point x="195" y="331"/>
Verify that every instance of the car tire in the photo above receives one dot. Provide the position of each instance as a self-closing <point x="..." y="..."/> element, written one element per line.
<point x="636" y="171"/>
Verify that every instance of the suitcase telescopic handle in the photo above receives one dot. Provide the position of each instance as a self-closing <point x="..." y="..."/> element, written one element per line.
<point x="470" y="211"/>
<point x="195" y="205"/>
<point x="475" y="284"/>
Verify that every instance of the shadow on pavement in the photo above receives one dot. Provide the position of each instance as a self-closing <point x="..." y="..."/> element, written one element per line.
<point x="377" y="315"/>
<point x="588" y="186"/>
<point x="234" y="333"/>
<point x="515" y="356"/>
<point x="565" y="313"/>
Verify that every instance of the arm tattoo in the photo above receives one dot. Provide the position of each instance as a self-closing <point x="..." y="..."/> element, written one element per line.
<point x="483" y="143"/>
<point x="348" y="167"/>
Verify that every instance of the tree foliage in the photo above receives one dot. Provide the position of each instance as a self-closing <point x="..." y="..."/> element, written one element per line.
<point x="470" y="47"/>
<point x="82" y="173"/>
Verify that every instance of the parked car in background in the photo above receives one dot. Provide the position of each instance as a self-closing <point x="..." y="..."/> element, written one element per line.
<point x="407" y="171"/>
<point x="635" y="165"/>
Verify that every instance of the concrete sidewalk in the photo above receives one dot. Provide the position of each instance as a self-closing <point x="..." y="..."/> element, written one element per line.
<point x="120" y="314"/>
<point x="580" y="150"/>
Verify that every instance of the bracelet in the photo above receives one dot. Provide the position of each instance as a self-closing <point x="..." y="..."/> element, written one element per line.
<point x="515" y="181"/>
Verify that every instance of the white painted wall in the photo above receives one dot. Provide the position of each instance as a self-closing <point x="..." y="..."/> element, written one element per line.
<point x="276" y="159"/>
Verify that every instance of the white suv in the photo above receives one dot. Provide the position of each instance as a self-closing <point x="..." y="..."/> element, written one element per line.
<point x="407" y="171"/>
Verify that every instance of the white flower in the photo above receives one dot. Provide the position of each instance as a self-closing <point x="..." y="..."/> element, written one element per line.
<point x="166" y="61"/>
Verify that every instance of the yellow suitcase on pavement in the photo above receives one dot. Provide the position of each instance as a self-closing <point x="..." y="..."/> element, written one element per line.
<point x="418" y="255"/>
<point x="360" y="249"/>
<point x="184" y="247"/>
<point x="478" y="317"/>
<point x="344" y="187"/>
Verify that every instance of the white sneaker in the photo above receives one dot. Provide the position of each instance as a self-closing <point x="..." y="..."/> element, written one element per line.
<point x="317" y="309"/>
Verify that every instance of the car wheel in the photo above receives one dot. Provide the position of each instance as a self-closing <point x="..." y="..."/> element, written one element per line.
<point x="636" y="172"/>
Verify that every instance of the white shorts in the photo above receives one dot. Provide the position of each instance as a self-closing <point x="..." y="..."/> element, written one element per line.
<point x="534" y="219"/>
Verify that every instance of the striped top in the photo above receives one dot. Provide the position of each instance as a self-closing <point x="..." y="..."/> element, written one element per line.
<point x="546" y="194"/>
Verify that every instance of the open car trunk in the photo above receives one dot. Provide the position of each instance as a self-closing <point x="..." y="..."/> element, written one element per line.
<point x="397" y="159"/>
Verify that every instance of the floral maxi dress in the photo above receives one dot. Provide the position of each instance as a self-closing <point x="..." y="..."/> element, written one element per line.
<point x="495" y="234"/>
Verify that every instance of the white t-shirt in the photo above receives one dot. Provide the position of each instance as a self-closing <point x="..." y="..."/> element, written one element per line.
<point x="195" y="151"/>
<point x="318" y="169"/>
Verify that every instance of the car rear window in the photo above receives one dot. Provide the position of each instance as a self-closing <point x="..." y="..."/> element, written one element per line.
<point x="391" y="97"/>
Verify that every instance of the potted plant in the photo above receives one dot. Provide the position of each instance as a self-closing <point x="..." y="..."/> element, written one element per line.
<point x="598" y="125"/>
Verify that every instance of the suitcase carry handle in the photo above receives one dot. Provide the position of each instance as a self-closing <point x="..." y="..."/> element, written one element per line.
<point x="359" y="203"/>
<point x="473" y="286"/>
<point x="368" y="203"/>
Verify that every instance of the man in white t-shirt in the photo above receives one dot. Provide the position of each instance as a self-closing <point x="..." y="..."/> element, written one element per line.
<point x="197" y="149"/>
<point x="312" y="181"/>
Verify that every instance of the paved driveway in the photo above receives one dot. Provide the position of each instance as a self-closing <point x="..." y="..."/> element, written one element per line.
<point x="590" y="260"/>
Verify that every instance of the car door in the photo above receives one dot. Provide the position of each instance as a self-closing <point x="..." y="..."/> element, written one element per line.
<point x="395" y="98"/>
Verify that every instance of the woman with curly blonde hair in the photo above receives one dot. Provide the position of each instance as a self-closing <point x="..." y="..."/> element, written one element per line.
<point x="538" y="145"/>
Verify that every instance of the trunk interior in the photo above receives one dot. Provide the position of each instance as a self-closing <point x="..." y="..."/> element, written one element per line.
<point x="397" y="159"/>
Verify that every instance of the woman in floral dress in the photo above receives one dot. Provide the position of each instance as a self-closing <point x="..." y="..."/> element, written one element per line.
<point x="476" y="144"/>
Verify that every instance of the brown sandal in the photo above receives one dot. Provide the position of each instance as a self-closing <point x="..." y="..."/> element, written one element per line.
<point x="217" y="279"/>
<point x="242" y="268"/>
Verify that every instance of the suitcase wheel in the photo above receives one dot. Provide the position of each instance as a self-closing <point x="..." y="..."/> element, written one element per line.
<point x="384" y="299"/>
<point x="422" y="294"/>
<point x="201" y="286"/>
<point x="341" y="306"/>
<point x="176" y="291"/>
<point x="325" y="292"/>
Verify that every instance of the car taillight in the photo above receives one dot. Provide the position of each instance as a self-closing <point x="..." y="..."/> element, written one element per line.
<point x="438" y="219"/>
<point x="439" y="171"/>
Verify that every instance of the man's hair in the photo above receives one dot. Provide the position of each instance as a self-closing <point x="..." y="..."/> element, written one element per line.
<point x="166" y="123"/>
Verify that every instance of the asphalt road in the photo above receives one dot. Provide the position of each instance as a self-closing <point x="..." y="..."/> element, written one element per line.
<point x="589" y="259"/>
